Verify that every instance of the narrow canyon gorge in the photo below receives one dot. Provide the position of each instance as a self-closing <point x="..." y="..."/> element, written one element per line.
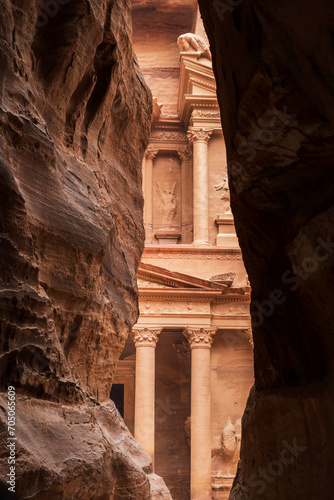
<point x="79" y="129"/>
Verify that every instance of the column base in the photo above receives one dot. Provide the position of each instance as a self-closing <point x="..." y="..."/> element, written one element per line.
<point x="201" y="243"/>
<point x="168" y="236"/>
<point x="227" y="236"/>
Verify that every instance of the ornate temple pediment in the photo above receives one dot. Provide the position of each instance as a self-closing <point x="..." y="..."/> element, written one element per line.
<point x="150" y="276"/>
<point x="197" y="88"/>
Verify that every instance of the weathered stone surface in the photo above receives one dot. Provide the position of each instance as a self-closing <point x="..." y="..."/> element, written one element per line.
<point x="74" y="124"/>
<point x="274" y="67"/>
<point x="156" y="27"/>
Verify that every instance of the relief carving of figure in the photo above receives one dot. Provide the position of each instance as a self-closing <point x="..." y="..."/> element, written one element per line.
<point x="167" y="201"/>
<point x="189" y="42"/>
<point x="223" y="186"/>
<point x="229" y="440"/>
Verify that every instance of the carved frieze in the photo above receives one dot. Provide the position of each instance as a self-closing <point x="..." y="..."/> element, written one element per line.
<point x="202" y="113"/>
<point x="166" y="135"/>
<point x="174" y="307"/>
<point x="230" y="309"/>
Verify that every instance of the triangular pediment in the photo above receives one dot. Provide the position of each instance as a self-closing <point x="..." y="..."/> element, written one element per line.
<point x="151" y="284"/>
<point x="150" y="276"/>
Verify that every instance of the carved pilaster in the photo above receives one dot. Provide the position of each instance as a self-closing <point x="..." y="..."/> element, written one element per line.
<point x="200" y="338"/>
<point x="201" y="134"/>
<point x="146" y="337"/>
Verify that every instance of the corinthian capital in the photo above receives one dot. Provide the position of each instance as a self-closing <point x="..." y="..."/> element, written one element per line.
<point x="201" y="338"/>
<point x="151" y="153"/>
<point x="196" y="134"/>
<point x="146" y="337"/>
<point x="185" y="154"/>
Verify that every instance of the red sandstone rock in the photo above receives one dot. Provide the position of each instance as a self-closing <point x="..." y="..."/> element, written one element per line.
<point x="74" y="124"/>
<point x="274" y="68"/>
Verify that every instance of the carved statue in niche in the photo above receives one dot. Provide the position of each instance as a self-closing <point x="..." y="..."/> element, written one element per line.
<point x="189" y="42"/>
<point x="225" y="197"/>
<point x="226" y="458"/>
<point x="167" y="201"/>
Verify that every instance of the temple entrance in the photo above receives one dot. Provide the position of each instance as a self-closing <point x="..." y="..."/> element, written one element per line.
<point x="172" y="411"/>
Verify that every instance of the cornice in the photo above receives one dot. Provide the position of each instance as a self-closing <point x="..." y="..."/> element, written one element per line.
<point x="186" y="295"/>
<point x="190" y="251"/>
<point x="179" y="294"/>
<point x="201" y="82"/>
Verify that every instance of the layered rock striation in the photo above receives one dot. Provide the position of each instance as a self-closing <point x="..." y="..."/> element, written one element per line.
<point x="274" y="68"/>
<point x="74" y="124"/>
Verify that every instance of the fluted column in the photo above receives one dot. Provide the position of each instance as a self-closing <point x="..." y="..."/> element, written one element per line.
<point x="148" y="193"/>
<point x="185" y="156"/>
<point x="199" y="137"/>
<point x="200" y="341"/>
<point x="145" y="341"/>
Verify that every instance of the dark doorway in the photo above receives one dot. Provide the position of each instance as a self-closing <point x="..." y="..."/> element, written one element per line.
<point x="117" y="396"/>
<point x="172" y="405"/>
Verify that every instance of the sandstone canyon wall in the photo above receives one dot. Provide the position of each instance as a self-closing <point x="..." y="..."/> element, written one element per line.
<point x="274" y="67"/>
<point x="74" y="124"/>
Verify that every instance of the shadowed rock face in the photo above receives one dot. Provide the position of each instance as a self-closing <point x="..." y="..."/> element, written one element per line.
<point x="74" y="124"/>
<point x="274" y="67"/>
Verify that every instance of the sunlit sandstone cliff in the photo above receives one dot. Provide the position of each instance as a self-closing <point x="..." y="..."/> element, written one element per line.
<point x="274" y="67"/>
<point x="74" y="124"/>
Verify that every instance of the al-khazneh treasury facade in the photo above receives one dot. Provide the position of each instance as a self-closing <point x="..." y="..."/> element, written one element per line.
<point x="185" y="374"/>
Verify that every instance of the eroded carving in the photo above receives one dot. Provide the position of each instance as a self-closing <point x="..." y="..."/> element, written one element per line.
<point x="190" y="42"/>
<point x="167" y="201"/>
<point x="225" y="197"/>
<point x="201" y="113"/>
<point x="181" y="350"/>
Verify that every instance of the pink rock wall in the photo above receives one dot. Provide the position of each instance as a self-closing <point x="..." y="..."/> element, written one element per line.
<point x="74" y="124"/>
<point x="274" y="69"/>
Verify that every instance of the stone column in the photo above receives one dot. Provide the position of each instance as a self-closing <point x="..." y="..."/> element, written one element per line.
<point x="200" y="138"/>
<point x="145" y="341"/>
<point x="200" y="476"/>
<point x="186" y="203"/>
<point x="148" y="193"/>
